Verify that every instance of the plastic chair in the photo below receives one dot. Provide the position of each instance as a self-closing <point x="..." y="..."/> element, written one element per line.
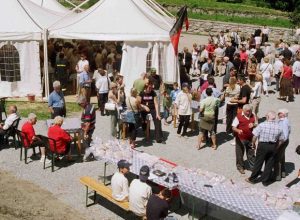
<point x="11" y="132"/>
<point x="22" y="137"/>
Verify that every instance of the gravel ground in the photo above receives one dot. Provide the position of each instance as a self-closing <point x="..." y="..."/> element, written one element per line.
<point x="64" y="183"/>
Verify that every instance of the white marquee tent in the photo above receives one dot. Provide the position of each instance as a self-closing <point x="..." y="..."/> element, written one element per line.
<point x="52" y="5"/>
<point x="23" y="25"/>
<point x="143" y="26"/>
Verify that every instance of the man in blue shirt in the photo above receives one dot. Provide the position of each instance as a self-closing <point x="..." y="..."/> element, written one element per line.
<point x="279" y="166"/>
<point x="56" y="101"/>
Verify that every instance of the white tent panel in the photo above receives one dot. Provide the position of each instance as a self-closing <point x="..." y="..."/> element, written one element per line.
<point x="30" y="72"/>
<point x="52" y="5"/>
<point x="113" y="20"/>
<point x="24" y="20"/>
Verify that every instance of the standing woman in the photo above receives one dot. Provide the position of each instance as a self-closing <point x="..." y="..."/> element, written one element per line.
<point x="266" y="70"/>
<point x="286" y="91"/>
<point x="232" y="91"/>
<point x="296" y="73"/>
<point x="183" y="104"/>
<point x="114" y="114"/>
<point x="134" y="107"/>
<point x="149" y="99"/>
<point x="256" y="93"/>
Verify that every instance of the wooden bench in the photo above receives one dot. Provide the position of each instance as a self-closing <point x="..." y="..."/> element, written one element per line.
<point x="102" y="190"/>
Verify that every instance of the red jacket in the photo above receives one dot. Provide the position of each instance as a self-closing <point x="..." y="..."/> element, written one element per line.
<point x="29" y="132"/>
<point x="61" y="137"/>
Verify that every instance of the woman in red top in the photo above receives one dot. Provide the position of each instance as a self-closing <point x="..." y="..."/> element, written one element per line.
<point x="30" y="139"/>
<point x="61" y="137"/>
<point x="286" y="87"/>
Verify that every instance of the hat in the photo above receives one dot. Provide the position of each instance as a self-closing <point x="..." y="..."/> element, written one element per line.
<point x="283" y="110"/>
<point x="113" y="85"/>
<point x="252" y="51"/>
<point x="153" y="70"/>
<point x="144" y="173"/>
<point x="124" y="164"/>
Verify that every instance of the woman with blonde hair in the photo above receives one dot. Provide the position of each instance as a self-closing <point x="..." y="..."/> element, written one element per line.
<point x="231" y="91"/>
<point x="266" y="70"/>
<point x="256" y="93"/>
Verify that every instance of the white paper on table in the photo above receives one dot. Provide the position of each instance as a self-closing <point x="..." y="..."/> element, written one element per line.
<point x="152" y="176"/>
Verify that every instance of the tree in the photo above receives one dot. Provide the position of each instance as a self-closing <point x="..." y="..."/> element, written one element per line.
<point x="284" y="5"/>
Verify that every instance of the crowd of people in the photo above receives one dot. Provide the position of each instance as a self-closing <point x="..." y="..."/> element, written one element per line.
<point x="247" y="68"/>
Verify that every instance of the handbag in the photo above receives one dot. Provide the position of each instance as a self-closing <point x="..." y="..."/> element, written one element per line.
<point x="109" y="106"/>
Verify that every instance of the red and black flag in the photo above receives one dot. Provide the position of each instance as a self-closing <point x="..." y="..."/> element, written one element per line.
<point x="176" y="29"/>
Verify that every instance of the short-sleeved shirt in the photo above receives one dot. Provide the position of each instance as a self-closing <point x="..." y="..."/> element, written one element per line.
<point x="56" y="100"/>
<point x="119" y="186"/>
<point x="245" y="92"/>
<point x="209" y="105"/>
<point x="89" y="115"/>
<point x="269" y="131"/>
<point x="174" y="94"/>
<point x="157" y="208"/>
<point x="139" y="85"/>
<point x="83" y="77"/>
<point x="148" y="99"/>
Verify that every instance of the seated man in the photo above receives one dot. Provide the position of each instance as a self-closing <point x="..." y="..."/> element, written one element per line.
<point x="139" y="193"/>
<point x="61" y="137"/>
<point x="31" y="139"/>
<point x="158" y="205"/>
<point x="119" y="183"/>
<point x="12" y="116"/>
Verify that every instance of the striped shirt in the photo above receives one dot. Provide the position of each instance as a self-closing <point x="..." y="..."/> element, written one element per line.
<point x="268" y="131"/>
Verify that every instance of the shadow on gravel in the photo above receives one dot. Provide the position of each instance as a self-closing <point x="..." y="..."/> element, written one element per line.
<point x="223" y="137"/>
<point x="289" y="168"/>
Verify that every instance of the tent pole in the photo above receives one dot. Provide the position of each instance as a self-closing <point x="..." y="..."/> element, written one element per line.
<point x="46" y="70"/>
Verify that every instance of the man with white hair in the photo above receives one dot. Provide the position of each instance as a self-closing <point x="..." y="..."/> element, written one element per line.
<point x="270" y="136"/>
<point x="283" y="122"/>
<point x="12" y="116"/>
<point x="243" y="125"/>
<point x="56" y="101"/>
<point x="31" y="139"/>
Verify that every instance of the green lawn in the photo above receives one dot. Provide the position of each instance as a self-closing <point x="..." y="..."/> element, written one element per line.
<point x="243" y="20"/>
<point x="41" y="109"/>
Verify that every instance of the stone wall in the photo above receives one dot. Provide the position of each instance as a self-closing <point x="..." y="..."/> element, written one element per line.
<point x="204" y="27"/>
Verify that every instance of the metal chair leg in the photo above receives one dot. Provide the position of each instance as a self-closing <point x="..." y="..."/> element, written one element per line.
<point x="86" y="196"/>
<point x="104" y="175"/>
<point x="21" y="153"/>
<point x="52" y="162"/>
<point x="25" y="155"/>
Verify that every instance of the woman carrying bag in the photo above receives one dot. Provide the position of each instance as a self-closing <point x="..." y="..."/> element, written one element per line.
<point x="113" y="107"/>
<point x="133" y="116"/>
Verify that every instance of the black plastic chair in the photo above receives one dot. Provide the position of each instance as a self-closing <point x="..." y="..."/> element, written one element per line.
<point x="2" y="110"/>
<point x="12" y="132"/>
<point x="53" y="153"/>
<point x="22" y="137"/>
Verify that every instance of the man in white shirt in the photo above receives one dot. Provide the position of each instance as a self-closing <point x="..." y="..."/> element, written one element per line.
<point x="80" y="68"/>
<point x="8" y="122"/>
<point x="102" y="85"/>
<point x="119" y="183"/>
<point x="278" y="64"/>
<point x="219" y="55"/>
<point x="139" y="193"/>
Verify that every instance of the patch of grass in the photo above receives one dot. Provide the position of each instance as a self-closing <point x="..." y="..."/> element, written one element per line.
<point x="40" y="109"/>
<point x="244" y="20"/>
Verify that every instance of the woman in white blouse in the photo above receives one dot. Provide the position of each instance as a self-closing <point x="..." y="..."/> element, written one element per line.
<point x="256" y="93"/>
<point x="296" y="75"/>
<point x="266" y="70"/>
<point x="183" y="106"/>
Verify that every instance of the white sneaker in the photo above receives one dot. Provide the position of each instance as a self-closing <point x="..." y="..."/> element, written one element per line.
<point x="232" y="143"/>
<point x="47" y="160"/>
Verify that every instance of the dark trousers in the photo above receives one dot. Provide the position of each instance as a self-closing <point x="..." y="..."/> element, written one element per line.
<point x="157" y="124"/>
<point x="216" y="119"/>
<point x="132" y="130"/>
<point x="265" y="154"/>
<point x="231" y="112"/>
<point x="240" y="148"/>
<point x="279" y="166"/>
<point x="102" y="99"/>
<point x="2" y="134"/>
<point x="58" y="112"/>
<point x="183" y="122"/>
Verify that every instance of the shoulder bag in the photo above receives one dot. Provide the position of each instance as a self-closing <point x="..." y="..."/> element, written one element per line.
<point x="137" y="116"/>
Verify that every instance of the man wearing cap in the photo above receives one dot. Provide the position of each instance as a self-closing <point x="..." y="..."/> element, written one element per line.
<point x="119" y="183"/>
<point x="140" y="192"/>
<point x="88" y="121"/>
<point x="283" y="122"/>
<point x="102" y="85"/>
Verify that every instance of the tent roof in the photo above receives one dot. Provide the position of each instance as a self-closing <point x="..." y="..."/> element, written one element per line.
<point x="24" y="20"/>
<point x="116" y="20"/>
<point x="52" y="5"/>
